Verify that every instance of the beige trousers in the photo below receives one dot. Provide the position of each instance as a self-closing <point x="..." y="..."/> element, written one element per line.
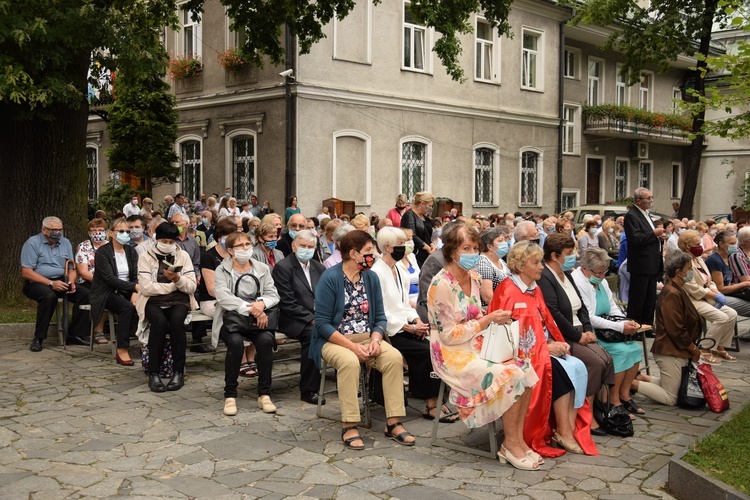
<point x="720" y="326"/>
<point x="664" y="389"/>
<point x="389" y="363"/>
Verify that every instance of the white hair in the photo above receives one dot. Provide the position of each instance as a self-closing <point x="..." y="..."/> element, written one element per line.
<point x="305" y="235"/>
<point x="389" y="235"/>
<point x="522" y="228"/>
<point x="340" y="232"/>
<point x="48" y="220"/>
<point x="743" y="235"/>
<point x="180" y="215"/>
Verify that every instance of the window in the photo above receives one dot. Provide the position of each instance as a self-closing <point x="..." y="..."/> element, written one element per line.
<point x="414" y="41"/>
<point x="621" y="88"/>
<point x="530" y="181"/>
<point x="570" y="134"/>
<point x="243" y="167"/>
<point x="485" y="163"/>
<point x="568" y="200"/>
<point x="644" y="174"/>
<point x="413" y="168"/>
<point x="484" y="69"/>
<point x="676" y="179"/>
<point x="530" y="60"/>
<point x="676" y="99"/>
<point x="190" y="161"/>
<point x="92" y="165"/>
<point x="570" y="67"/>
<point x="621" y="179"/>
<point x="644" y="92"/>
<point x="596" y="70"/>
<point x="191" y="35"/>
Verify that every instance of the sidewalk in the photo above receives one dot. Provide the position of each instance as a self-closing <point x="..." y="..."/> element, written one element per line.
<point x="75" y="424"/>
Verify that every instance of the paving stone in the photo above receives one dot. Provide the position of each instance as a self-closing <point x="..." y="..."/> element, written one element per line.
<point x="414" y="470"/>
<point x="195" y="487"/>
<point x="285" y="488"/>
<point x="241" y="445"/>
<point x="326" y="474"/>
<point x="421" y="492"/>
<point x="300" y="458"/>
<point x="555" y="484"/>
<point x="379" y="484"/>
<point x="591" y="484"/>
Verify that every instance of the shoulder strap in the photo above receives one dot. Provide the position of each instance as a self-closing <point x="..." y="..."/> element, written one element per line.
<point x="257" y="284"/>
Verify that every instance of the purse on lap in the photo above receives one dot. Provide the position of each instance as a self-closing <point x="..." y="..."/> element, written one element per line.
<point x="500" y="343"/>
<point x="609" y="335"/>
<point x="244" y="324"/>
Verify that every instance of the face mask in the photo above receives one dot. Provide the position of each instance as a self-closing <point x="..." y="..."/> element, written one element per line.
<point x="270" y="244"/>
<point x="304" y="254"/>
<point x="692" y="228"/>
<point x="594" y="280"/>
<point x="680" y="230"/>
<point x="265" y="207"/>
<point x="549" y="229"/>
<point x="223" y="242"/>
<point x="226" y="195"/>
<point x="242" y="256"/>
<point x="592" y="230"/>
<point x="689" y="276"/>
<point x="204" y="221"/>
<point x="398" y="252"/>
<point x="437" y="232"/>
<point x="409" y="247"/>
<point x="56" y="235"/>
<point x="610" y="231"/>
<point x="165" y="248"/>
<point x="98" y="236"/>
<point x="180" y="229"/>
<point x="697" y="251"/>
<point x="502" y="249"/>
<point x="367" y="262"/>
<point x="134" y="202"/>
<point x="292" y="234"/>
<point x="123" y="238"/>
<point x="468" y="261"/>
<point x="136" y="234"/>
<point x="732" y="249"/>
<point x="569" y="262"/>
<point x="192" y="228"/>
<point x="713" y="232"/>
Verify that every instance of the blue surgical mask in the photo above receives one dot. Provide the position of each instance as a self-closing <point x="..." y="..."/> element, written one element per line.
<point x="569" y="263"/>
<point x="204" y="221"/>
<point x="502" y="249"/>
<point x="732" y="249"/>
<point x="223" y="243"/>
<point x="468" y="261"/>
<point x="292" y="233"/>
<point x="270" y="244"/>
<point x="123" y="238"/>
<point x="594" y="280"/>
<point x="305" y="254"/>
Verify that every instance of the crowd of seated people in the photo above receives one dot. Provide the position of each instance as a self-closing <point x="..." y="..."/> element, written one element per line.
<point x="406" y="291"/>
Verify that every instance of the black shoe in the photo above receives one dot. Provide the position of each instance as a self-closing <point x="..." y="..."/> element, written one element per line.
<point x="599" y="431"/>
<point x="155" y="383"/>
<point x="312" y="398"/>
<point x="73" y="340"/>
<point x="36" y="345"/>
<point x="176" y="383"/>
<point x="201" y="348"/>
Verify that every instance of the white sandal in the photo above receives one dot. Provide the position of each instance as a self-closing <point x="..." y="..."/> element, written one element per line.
<point x="230" y="407"/>
<point x="525" y="463"/>
<point x="265" y="404"/>
<point x="536" y="457"/>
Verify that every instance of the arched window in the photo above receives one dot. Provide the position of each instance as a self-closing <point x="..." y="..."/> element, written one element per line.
<point x="190" y="161"/>
<point x="92" y="166"/>
<point x="530" y="178"/>
<point x="243" y="167"/>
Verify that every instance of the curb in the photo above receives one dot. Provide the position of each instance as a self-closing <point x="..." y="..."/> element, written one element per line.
<point x="22" y="331"/>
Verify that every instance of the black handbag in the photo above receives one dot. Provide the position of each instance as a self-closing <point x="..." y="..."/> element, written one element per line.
<point x="613" y="419"/>
<point x="690" y="395"/>
<point x="242" y="324"/>
<point x="609" y="335"/>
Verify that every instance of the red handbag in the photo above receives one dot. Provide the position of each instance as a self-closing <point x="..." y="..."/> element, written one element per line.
<point x="713" y="390"/>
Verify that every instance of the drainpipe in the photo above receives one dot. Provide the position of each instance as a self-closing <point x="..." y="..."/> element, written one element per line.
<point x="560" y="106"/>
<point x="290" y="172"/>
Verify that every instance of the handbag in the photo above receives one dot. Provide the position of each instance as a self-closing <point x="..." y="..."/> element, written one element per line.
<point x="166" y="370"/>
<point x="690" y="395"/>
<point x="609" y="335"/>
<point x="499" y="343"/>
<point x="713" y="390"/>
<point x="613" y="419"/>
<point x="245" y="324"/>
<point x="743" y="294"/>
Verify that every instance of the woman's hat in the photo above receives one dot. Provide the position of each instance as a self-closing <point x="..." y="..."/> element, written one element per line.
<point x="167" y="230"/>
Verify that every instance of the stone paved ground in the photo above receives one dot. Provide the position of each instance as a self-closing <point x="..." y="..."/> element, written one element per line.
<point x="74" y="425"/>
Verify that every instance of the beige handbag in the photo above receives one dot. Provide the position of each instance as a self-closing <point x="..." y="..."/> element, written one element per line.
<point x="500" y="343"/>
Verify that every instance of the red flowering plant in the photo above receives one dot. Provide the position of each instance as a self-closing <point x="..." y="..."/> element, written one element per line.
<point x="184" y="67"/>
<point x="231" y="60"/>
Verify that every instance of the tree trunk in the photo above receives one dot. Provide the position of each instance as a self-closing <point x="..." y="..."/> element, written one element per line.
<point x="696" y="146"/>
<point x="42" y="173"/>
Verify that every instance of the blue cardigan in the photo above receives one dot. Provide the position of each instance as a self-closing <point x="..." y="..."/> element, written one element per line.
<point x="329" y="307"/>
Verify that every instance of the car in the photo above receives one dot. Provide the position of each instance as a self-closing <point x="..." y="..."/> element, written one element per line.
<point x="613" y="211"/>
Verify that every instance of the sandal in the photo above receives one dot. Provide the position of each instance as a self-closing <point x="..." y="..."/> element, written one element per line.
<point x="399" y="438"/>
<point x="631" y="407"/>
<point x="725" y="355"/>
<point x="536" y="457"/>
<point x="100" y="339"/>
<point x="249" y="369"/>
<point x="573" y="447"/>
<point x="708" y="359"/>
<point x="524" y="463"/>
<point x="348" y="441"/>
<point x="230" y="407"/>
<point x="446" y="415"/>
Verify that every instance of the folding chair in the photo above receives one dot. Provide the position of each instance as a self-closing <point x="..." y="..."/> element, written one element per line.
<point x="364" y="391"/>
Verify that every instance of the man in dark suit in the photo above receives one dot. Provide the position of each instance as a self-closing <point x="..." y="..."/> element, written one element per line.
<point x="296" y="277"/>
<point x="644" y="257"/>
<point x="296" y="223"/>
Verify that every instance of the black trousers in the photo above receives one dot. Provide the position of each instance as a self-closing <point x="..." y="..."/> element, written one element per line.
<point x="561" y="384"/>
<point x="166" y="321"/>
<point x="263" y="341"/>
<point x="46" y="298"/>
<point x="642" y="297"/>
<point x="416" y="352"/>
<point x="309" y="375"/>
<point x="125" y="311"/>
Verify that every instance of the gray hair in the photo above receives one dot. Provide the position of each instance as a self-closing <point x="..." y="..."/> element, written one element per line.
<point x="522" y="228"/>
<point x="674" y="262"/>
<point x="180" y="215"/>
<point x="155" y="223"/>
<point x="489" y="235"/>
<point x="340" y="232"/>
<point x="639" y="193"/>
<point x="595" y="259"/>
<point x="48" y="220"/>
<point x="743" y="235"/>
<point x="305" y="235"/>
<point x="389" y="235"/>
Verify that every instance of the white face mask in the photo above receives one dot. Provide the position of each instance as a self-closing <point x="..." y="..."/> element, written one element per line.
<point x="134" y="202"/>
<point x="165" y="248"/>
<point x="243" y="256"/>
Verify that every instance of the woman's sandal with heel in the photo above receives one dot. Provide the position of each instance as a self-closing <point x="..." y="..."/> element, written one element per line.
<point x="524" y="463"/>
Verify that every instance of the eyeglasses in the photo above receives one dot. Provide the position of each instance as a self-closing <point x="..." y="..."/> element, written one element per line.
<point x="121" y="231"/>
<point x="53" y="228"/>
<point x="297" y="226"/>
<point x="599" y="274"/>
<point x="244" y="246"/>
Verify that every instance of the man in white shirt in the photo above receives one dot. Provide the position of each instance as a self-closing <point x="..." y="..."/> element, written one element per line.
<point x="132" y="208"/>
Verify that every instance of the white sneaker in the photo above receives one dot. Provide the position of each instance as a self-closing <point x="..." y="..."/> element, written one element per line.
<point x="265" y="404"/>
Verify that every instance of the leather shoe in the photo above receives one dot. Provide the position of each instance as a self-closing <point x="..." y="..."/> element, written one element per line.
<point x="155" y="383"/>
<point x="599" y="431"/>
<point x="201" y="348"/>
<point x="73" y="340"/>
<point x="36" y="345"/>
<point x="123" y="362"/>
<point x="176" y="383"/>
<point x="312" y="398"/>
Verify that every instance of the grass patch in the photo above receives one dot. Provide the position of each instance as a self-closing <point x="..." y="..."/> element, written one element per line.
<point x="19" y="314"/>
<point x="723" y="454"/>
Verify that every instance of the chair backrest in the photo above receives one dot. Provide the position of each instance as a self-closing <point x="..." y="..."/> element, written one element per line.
<point x="613" y="281"/>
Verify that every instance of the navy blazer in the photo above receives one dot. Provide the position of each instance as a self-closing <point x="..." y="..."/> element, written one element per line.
<point x="297" y="298"/>
<point x="559" y="305"/>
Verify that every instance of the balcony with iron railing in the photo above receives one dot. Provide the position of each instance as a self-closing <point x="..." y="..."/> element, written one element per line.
<point x="624" y="122"/>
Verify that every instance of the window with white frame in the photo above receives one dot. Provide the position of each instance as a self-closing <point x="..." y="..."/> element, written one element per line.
<point x="621" y="88"/>
<point x="530" y="165"/>
<point x="484" y="176"/>
<point x="568" y="200"/>
<point x="644" y="174"/>
<point x="243" y="167"/>
<point x="621" y="178"/>
<point x="531" y="64"/>
<point x="570" y="129"/>
<point x="190" y="161"/>
<point x="644" y="91"/>
<point x="570" y="66"/>
<point x="413" y="168"/>
<point x="676" y="99"/>
<point x="415" y="41"/>
<point x="484" y="67"/>
<point x="92" y="166"/>
<point x="190" y="32"/>
<point x="596" y="70"/>
<point x="676" y="179"/>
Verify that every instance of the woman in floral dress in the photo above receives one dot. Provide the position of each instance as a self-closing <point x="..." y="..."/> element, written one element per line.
<point x="481" y="390"/>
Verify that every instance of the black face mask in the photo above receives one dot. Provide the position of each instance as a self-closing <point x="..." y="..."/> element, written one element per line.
<point x="398" y="252"/>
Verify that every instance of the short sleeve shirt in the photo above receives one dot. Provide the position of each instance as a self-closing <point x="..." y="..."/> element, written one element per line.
<point x="739" y="264"/>
<point x="38" y="255"/>
<point x="488" y="271"/>
<point x="209" y="260"/>
<point x="86" y="254"/>
<point x="715" y="263"/>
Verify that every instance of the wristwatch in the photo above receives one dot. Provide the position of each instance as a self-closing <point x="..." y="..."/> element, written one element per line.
<point x="50" y="283"/>
<point x="376" y="340"/>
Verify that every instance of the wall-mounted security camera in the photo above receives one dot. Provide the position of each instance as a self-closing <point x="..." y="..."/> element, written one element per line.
<point x="287" y="73"/>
